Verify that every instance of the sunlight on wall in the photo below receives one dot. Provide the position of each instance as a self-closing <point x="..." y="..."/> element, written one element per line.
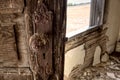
<point x="73" y="58"/>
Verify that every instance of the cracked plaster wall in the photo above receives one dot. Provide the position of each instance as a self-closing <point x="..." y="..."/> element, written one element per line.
<point x="112" y="15"/>
<point x="118" y="43"/>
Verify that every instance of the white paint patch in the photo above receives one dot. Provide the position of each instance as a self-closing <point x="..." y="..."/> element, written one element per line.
<point x="97" y="55"/>
<point x="73" y="58"/>
<point x="111" y="75"/>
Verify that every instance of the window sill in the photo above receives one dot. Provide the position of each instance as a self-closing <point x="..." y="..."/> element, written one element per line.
<point x="73" y="33"/>
<point x="81" y="31"/>
<point x="83" y="37"/>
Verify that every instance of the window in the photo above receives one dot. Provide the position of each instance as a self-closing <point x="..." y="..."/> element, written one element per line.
<point x="83" y="14"/>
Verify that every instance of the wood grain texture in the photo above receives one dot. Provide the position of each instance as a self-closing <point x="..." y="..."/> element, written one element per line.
<point x="59" y="29"/>
<point x="7" y="45"/>
<point x="13" y="41"/>
<point x="14" y="22"/>
<point x="11" y="6"/>
<point x="15" y="74"/>
<point x="84" y="37"/>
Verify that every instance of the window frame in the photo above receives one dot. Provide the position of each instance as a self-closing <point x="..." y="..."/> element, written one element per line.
<point x="97" y="12"/>
<point x="95" y="26"/>
<point x="96" y="15"/>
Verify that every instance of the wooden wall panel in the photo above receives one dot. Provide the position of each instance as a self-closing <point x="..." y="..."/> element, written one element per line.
<point x="15" y="74"/>
<point x="14" y="55"/>
<point x="13" y="33"/>
<point x="8" y="48"/>
<point x="11" y="6"/>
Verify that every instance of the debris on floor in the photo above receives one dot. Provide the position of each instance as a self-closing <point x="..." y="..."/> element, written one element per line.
<point x="103" y="71"/>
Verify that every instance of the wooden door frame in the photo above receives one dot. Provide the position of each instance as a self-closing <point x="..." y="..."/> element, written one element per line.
<point x="58" y="8"/>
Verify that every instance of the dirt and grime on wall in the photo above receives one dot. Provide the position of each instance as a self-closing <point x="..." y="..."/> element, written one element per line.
<point x="109" y="70"/>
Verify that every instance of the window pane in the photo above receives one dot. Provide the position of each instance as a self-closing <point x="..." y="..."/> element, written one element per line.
<point x="78" y="16"/>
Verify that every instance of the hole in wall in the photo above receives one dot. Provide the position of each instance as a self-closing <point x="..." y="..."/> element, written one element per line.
<point x="43" y="55"/>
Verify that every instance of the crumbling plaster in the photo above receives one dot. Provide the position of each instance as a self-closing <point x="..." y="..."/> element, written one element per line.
<point x="112" y="18"/>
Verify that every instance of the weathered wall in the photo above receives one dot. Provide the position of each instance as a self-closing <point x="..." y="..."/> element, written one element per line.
<point x="117" y="48"/>
<point x="73" y="58"/>
<point x="113" y="23"/>
<point x="91" y="40"/>
<point x="112" y="17"/>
